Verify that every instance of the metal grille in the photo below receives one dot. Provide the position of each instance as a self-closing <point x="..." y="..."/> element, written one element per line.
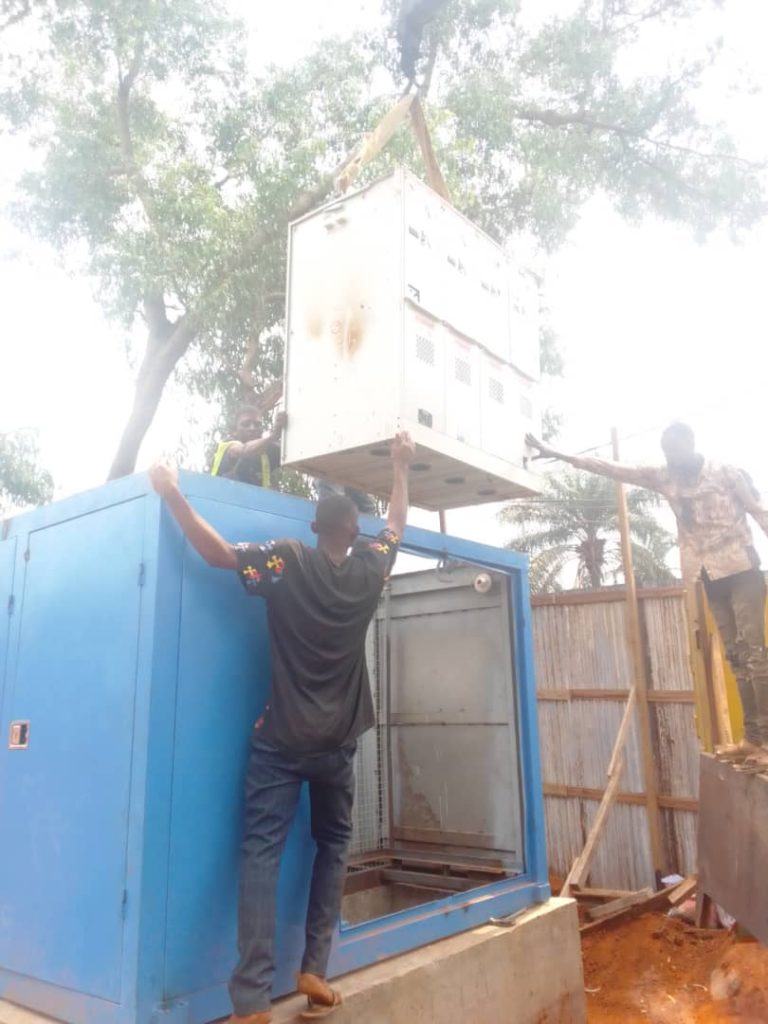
<point x="425" y="349"/>
<point x="463" y="371"/>
<point x="370" y="826"/>
<point x="496" y="390"/>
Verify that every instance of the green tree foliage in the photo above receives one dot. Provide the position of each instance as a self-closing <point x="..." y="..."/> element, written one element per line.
<point x="22" y="481"/>
<point x="169" y="168"/>
<point x="572" y="534"/>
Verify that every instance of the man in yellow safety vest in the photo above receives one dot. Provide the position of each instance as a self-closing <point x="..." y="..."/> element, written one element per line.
<point x="249" y="456"/>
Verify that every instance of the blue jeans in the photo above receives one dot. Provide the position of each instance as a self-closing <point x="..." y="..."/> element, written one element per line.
<point x="273" y="785"/>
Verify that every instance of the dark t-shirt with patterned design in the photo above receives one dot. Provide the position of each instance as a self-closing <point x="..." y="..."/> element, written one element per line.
<point x="318" y="614"/>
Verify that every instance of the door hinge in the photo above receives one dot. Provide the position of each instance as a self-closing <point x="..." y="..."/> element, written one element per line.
<point x="142" y="573"/>
<point x="27" y="555"/>
<point x="11" y="603"/>
<point x="124" y="904"/>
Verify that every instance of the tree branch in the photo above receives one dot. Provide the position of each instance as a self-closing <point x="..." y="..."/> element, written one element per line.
<point x="156" y="315"/>
<point x="637" y="18"/>
<point x="556" y="119"/>
<point x="125" y="85"/>
<point x="14" y="17"/>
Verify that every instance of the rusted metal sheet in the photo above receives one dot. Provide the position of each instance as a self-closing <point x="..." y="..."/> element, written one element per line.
<point x="677" y="749"/>
<point x="733" y="843"/>
<point x="667" y="643"/>
<point x="581" y="644"/>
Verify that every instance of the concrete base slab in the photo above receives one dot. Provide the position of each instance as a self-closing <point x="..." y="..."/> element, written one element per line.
<point x="527" y="973"/>
<point x="10" y="1014"/>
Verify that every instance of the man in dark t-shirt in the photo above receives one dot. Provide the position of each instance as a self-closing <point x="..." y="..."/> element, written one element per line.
<point x="320" y="602"/>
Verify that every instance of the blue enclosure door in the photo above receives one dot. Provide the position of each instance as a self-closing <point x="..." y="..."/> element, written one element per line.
<point x="222" y="685"/>
<point x="7" y="559"/>
<point x="64" y="800"/>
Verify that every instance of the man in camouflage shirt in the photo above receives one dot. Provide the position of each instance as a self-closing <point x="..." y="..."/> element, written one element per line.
<point x="711" y="504"/>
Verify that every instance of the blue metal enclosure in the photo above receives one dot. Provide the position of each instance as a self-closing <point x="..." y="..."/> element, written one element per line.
<point x="130" y="676"/>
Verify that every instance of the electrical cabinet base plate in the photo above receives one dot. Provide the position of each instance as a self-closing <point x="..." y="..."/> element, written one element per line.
<point x="439" y="479"/>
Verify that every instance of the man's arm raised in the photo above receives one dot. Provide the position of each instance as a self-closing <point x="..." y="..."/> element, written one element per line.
<point x="403" y="451"/>
<point x="209" y="544"/>
<point x="638" y="476"/>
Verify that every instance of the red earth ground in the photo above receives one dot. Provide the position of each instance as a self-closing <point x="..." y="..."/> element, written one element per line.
<point x="655" y="970"/>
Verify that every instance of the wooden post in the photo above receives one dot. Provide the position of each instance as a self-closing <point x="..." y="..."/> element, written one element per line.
<point x="580" y="867"/>
<point x="640" y="677"/>
<point x="701" y="663"/>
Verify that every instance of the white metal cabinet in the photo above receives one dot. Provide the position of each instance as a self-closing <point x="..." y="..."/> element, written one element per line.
<point x="395" y="302"/>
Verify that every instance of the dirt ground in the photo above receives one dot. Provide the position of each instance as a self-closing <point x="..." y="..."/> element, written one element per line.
<point x="655" y="970"/>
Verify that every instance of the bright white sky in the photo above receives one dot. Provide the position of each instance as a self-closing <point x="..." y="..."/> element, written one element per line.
<point x="653" y="325"/>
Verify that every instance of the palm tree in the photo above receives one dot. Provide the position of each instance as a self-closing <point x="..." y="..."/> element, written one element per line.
<point x="575" y="524"/>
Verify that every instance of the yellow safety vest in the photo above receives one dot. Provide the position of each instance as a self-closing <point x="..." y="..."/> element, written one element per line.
<point x="266" y="472"/>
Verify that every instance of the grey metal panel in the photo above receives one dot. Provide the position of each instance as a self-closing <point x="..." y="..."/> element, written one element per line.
<point x="437" y="661"/>
<point x="456" y="780"/>
<point x="733" y="843"/>
<point x="453" y="713"/>
<point x="368" y="821"/>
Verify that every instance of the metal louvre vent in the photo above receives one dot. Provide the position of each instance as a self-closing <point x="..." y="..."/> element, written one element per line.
<point x="425" y="349"/>
<point x="496" y="390"/>
<point x="463" y="371"/>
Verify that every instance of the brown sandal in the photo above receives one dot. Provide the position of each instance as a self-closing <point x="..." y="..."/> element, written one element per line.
<point x="316" y="1011"/>
<point x="318" y="993"/>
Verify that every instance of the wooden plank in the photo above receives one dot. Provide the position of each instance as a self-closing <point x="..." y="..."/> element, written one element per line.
<point x="455" y="862"/>
<point x="670" y="803"/>
<point x="618" y="905"/>
<point x="654" y="902"/>
<point x="683" y="891"/>
<point x="706" y="723"/>
<point x="719" y="691"/>
<point x="640" y="674"/>
<point x="580" y="868"/>
<point x="357" y="881"/>
<point x="603" y="595"/>
<point x="598" y="894"/>
<point x="429" y="880"/>
<point x="655" y="696"/>
<point x="437" y="835"/>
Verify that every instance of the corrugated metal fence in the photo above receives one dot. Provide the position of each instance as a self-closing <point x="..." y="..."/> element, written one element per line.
<point x="583" y="668"/>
